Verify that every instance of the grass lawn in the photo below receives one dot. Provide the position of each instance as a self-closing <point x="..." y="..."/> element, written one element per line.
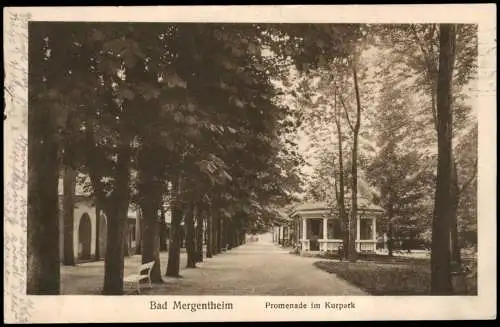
<point x="383" y="275"/>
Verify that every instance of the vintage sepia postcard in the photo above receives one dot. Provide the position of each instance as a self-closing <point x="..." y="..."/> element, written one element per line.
<point x="249" y="163"/>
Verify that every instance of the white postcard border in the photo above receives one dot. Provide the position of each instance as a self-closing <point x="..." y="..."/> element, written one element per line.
<point x="21" y="308"/>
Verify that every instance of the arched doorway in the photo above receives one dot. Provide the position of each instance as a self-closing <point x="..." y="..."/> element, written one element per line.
<point x="84" y="237"/>
<point x="103" y="232"/>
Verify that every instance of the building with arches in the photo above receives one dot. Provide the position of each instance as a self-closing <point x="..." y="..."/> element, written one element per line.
<point x="90" y="233"/>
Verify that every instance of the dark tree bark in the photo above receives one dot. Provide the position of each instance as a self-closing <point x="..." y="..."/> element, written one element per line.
<point x="114" y="258"/>
<point x="440" y="255"/>
<point x="230" y="234"/>
<point x="163" y="230"/>
<point x="43" y="266"/>
<point x="209" y="233"/>
<point x="138" y="231"/>
<point x="214" y="234"/>
<point x="390" y="236"/>
<point x="454" y="189"/>
<point x="222" y="233"/>
<point x="116" y="210"/>
<point x="433" y="80"/>
<point x="454" y="194"/>
<point x="174" y="249"/>
<point x="150" y="187"/>
<point x="69" y="184"/>
<point x="43" y="261"/>
<point x="150" y="250"/>
<point x="126" y="244"/>
<point x="341" y="191"/>
<point x="354" y="171"/>
<point x="217" y="234"/>
<point x="199" y="235"/>
<point x="242" y="237"/>
<point x="190" y="241"/>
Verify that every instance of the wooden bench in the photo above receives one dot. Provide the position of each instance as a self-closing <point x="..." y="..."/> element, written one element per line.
<point x="224" y="249"/>
<point x="143" y="273"/>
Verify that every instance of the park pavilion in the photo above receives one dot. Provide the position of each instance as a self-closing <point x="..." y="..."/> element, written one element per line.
<point x="318" y="227"/>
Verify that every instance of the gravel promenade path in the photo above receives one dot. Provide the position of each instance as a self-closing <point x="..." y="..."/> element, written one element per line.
<point x="257" y="268"/>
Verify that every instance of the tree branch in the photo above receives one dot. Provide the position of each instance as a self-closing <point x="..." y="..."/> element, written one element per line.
<point x="430" y="69"/>
<point x="358" y="100"/>
<point x="422" y="48"/>
<point x="95" y="176"/>
<point x="346" y="113"/>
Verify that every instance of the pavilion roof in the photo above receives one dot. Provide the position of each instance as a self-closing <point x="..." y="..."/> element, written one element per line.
<point x="321" y="206"/>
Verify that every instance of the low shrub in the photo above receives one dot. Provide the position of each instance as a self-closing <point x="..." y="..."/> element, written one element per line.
<point x="390" y="279"/>
<point x="329" y="255"/>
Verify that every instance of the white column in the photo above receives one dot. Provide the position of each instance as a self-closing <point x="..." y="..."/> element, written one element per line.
<point x="358" y="234"/>
<point x="304" y="229"/>
<point x="304" y="234"/>
<point x="374" y="229"/>
<point x="325" y="234"/>
<point x="325" y="228"/>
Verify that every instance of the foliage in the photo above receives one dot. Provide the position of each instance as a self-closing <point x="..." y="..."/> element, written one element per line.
<point x="403" y="186"/>
<point x="466" y="153"/>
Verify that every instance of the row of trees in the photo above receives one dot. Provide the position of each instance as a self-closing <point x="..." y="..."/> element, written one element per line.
<point x="194" y="111"/>
<point x="395" y="79"/>
<point x="148" y="111"/>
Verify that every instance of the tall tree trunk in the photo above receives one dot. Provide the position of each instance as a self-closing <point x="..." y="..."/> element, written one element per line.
<point x="116" y="210"/>
<point x="341" y="191"/>
<point x="390" y="232"/>
<point x="390" y="239"/>
<point x="242" y="237"/>
<point x="174" y="249"/>
<point x="190" y="241"/>
<point x="114" y="258"/>
<point x="222" y="229"/>
<point x="69" y="184"/>
<point x="150" y="191"/>
<point x="126" y="244"/>
<point x="222" y="233"/>
<point x="354" y="170"/>
<point x="217" y="234"/>
<point x="433" y="77"/>
<point x="199" y="235"/>
<point x="209" y="233"/>
<point x="138" y="231"/>
<point x="150" y="250"/>
<point x="43" y="263"/>
<point x="163" y="229"/>
<point x="454" y="194"/>
<point x="215" y="231"/>
<point x="440" y="255"/>
<point x="230" y="234"/>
